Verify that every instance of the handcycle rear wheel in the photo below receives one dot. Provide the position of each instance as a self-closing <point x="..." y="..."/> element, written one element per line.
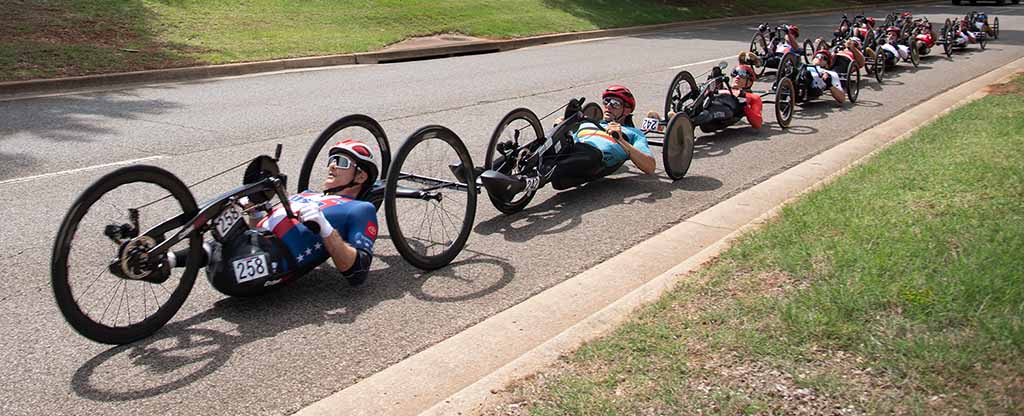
<point x="440" y="196"/>
<point x="878" y="65"/>
<point x="515" y="134"/>
<point x="785" y="102"/>
<point x="809" y="49"/>
<point x="358" y="127"/>
<point x="677" y="152"/>
<point x="681" y="91"/>
<point x="87" y="234"/>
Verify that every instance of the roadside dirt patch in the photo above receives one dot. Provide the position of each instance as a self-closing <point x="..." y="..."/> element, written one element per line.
<point x="1015" y="87"/>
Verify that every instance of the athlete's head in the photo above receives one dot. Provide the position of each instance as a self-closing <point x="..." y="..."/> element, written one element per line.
<point x="822" y="58"/>
<point x="743" y="76"/>
<point x="350" y="168"/>
<point x="618" y="103"/>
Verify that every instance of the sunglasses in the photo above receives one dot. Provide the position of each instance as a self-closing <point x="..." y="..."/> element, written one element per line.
<point x="613" y="103"/>
<point x="341" y="161"/>
<point x="741" y="73"/>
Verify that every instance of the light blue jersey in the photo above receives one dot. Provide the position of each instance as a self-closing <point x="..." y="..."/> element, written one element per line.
<point x="612" y="154"/>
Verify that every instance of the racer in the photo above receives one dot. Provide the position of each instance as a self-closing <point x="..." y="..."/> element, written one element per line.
<point x="892" y="49"/>
<point x="723" y="108"/>
<point x="822" y="78"/>
<point x="332" y="224"/>
<point x="598" y="150"/>
<point x="791" y="42"/>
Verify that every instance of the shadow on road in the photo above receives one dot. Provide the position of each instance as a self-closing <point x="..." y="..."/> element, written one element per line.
<point x="186" y="351"/>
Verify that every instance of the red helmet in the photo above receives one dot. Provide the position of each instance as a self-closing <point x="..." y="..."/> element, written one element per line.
<point x="361" y="155"/>
<point x="826" y="54"/>
<point x="794" y="30"/>
<point x="623" y="94"/>
<point x="892" y="29"/>
<point x="870" y="21"/>
<point x="744" y="71"/>
<point x="905" y="15"/>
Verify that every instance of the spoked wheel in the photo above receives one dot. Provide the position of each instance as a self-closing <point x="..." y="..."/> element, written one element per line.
<point x="809" y="49"/>
<point x="785" y="102"/>
<point x="788" y="66"/>
<point x="681" y="93"/>
<point x="430" y="213"/>
<point x="104" y="285"/>
<point x="853" y="82"/>
<point x="759" y="46"/>
<point x="593" y="111"/>
<point x="915" y="53"/>
<point x="677" y="153"/>
<point x="510" y="146"/>
<point x="995" y="29"/>
<point x="357" y="127"/>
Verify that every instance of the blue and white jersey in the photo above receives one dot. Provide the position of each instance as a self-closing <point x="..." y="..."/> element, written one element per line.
<point x="354" y="220"/>
<point x="612" y="153"/>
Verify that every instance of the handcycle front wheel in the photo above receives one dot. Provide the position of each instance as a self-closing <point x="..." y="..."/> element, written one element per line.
<point x="99" y="235"/>
<point x="357" y="127"/>
<point x="681" y="91"/>
<point x="853" y="82"/>
<point x="430" y="213"/>
<point x="915" y="53"/>
<point x="785" y="102"/>
<point x="677" y="152"/>
<point x="513" y="141"/>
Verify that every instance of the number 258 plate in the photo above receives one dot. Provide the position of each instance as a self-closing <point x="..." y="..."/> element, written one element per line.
<point x="227" y="219"/>
<point x="251" y="268"/>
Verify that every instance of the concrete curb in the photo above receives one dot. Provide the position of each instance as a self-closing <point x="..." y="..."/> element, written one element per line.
<point x="42" y="86"/>
<point x="461" y="374"/>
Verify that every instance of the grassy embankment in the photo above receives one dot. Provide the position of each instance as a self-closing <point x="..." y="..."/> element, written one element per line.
<point x="899" y="288"/>
<point x="55" y="38"/>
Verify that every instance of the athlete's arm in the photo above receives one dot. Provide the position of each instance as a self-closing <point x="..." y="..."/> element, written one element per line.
<point x="641" y="159"/>
<point x="344" y="255"/>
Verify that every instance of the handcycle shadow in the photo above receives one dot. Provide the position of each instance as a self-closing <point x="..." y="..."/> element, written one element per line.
<point x="188" y="347"/>
<point x="821" y="108"/>
<point x="722" y="142"/>
<point x="564" y="211"/>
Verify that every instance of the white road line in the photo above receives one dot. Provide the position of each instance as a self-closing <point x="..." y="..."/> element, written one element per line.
<point x="65" y="172"/>
<point x="701" y="62"/>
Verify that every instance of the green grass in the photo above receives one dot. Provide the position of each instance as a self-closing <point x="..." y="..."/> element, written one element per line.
<point x="899" y="288"/>
<point x="48" y="38"/>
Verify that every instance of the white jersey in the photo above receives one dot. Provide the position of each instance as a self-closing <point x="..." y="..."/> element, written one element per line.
<point x="901" y="51"/>
<point x="819" y="82"/>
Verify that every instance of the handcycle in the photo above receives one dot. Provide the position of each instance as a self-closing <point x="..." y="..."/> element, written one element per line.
<point x="521" y="157"/>
<point x="685" y="100"/>
<point x="837" y="45"/>
<point x="765" y="45"/>
<point x="123" y="236"/>
<point x="802" y="83"/>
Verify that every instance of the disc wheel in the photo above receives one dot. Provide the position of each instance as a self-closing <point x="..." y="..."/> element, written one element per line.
<point x="785" y="102"/>
<point x="98" y="236"/>
<point x="853" y="82"/>
<point x="995" y="29"/>
<point x="430" y="212"/>
<point x="878" y="66"/>
<point x="677" y="153"/>
<point x="681" y="93"/>
<point x="513" y="141"/>
<point x="759" y="46"/>
<point x="593" y="111"/>
<point x="357" y="127"/>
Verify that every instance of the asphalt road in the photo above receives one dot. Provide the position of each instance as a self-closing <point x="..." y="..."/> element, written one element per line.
<point x="276" y="354"/>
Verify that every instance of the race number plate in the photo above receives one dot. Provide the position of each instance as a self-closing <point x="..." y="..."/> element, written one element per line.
<point x="250" y="268"/>
<point x="649" y="124"/>
<point x="227" y="219"/>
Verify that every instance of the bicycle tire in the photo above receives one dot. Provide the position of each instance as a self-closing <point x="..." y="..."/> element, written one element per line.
<point x="81" y="321"/>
